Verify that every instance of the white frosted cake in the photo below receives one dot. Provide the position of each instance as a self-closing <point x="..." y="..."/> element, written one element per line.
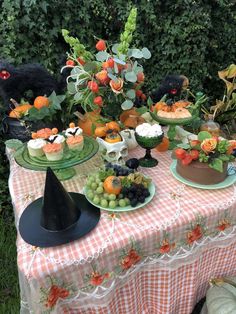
<point x="35" y="147"/>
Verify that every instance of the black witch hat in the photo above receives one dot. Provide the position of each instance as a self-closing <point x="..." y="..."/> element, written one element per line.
<point x="58" y="217"/>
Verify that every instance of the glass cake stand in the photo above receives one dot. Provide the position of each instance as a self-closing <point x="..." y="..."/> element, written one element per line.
<point x="63" y="168"/>
<point x="172" y="123"/>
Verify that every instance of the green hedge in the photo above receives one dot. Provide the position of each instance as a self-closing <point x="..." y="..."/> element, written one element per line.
<point x="196" y="38"/>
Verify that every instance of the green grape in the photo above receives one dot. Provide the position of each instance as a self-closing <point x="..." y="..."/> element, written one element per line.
<point x="96" y="200"/>
<point x="99" y="190"/>
<point x="90" y="195"/>
<point x="94" y="185"/>
<point x="127" y="201"/>
<point x="112" y="204"/>
<point x="106" y="196"/>
<point x="112" y="197"/>
<point x="122" y="203"/>
<point x="88" y="184"/>
<point x="98" y="181"/>
<point x="101" y="184"/>
<point x="104" y="203"/>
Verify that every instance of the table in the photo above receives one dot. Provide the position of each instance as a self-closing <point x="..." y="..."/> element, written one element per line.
<point x="157" y="259"/>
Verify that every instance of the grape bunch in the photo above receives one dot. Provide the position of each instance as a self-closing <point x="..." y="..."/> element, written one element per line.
<point x="135" y="193"/>
<point x="119" y="170"/>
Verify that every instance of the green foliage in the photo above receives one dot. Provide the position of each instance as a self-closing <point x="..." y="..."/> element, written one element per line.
<point x="189" y="37"/>
<point x="9" y="289"/>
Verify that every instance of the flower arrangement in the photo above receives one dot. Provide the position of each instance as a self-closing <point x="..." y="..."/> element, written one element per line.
<point x="109" y="80"/>
<point x="208" y="149"/>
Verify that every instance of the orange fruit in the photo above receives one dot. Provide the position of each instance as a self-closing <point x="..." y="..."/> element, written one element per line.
<point x="72" y="125"/>
<point x="19" y="111"/>
<point x="113" y="125"/>
<point x="40" y="102"/>
<point x="126" y="113"/>
<point x="164" y="145"/>
<point x="100" y="131"/>
<point x="54" y="131"/>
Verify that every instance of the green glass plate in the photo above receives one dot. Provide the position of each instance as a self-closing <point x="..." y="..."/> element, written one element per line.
<point x="70" y="157"/>
<point x="126" y="208"/>
<point x="224" y="184"/>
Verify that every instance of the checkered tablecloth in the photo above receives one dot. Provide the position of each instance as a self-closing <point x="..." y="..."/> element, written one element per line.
<point x="157" y="259"/>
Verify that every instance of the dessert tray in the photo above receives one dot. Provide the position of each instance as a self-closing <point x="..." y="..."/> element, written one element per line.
<point x="62" y="167"/>
<point x="148" y="199"/>
<point x="231" y="179"/>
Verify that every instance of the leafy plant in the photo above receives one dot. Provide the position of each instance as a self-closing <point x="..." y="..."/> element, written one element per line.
<point x="112" y="79"/>
<point x="224" y="110"/>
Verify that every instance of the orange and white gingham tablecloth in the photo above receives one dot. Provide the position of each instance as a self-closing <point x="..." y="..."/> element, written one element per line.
<point x="157" y="259"/>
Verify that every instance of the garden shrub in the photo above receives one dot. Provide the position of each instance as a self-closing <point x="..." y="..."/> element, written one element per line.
<point x="191" y="37"/>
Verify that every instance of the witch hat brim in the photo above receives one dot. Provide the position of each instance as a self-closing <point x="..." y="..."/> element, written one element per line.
<point x="33" y="233"/>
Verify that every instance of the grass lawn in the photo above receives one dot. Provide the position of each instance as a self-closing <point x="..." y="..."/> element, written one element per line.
<point x="9" y="289"/>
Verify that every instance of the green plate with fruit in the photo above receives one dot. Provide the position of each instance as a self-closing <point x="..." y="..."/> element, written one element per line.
<point x="151" y="189"/>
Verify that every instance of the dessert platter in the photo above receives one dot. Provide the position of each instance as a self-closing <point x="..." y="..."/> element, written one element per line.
<point x="119" y="188"/>
<point x="59" y="151"/>
<point x="172" y="113"/>
<point x="204" y="163"/>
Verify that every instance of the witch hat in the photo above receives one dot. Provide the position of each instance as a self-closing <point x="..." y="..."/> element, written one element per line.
<point x="58" y="217"/>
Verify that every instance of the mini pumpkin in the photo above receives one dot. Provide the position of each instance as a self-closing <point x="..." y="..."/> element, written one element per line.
<point x="112" y="185"/>
<point x="40" y="102"/>
<point x="19" y="111"/>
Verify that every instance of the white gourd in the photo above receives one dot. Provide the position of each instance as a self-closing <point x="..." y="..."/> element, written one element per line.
<point x="221" y="296"/>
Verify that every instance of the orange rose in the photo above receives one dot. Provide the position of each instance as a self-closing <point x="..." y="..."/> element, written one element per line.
<point x="96" y="279"/>
<point x="166" y="246"/>
<point x="223" y="224"/>
<point x="54" y="294"/>
<point x="102" y="77"/>
<point x="208" y="145"/>
<point x="117" y="86"/>
<point x="194" y="235"/>
<point x="126" y="262"/>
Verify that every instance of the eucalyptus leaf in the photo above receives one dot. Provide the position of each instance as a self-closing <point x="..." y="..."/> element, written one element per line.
<point x="102" y="56"/>
<point x="131" y="76"/>
<point x="146" y="53"/>
<point x="76" y="70"/>
<point x="116" y="68"/>
<point x="71" y="88"/>
<point x="130" y="93"/>
<point x="119" y="61"/>
<point x="78" y="96"/>
<point x="112" y="77"/>
<point x="114" y="48"/>
<point x="91" y="66"/>
<point x="137" y="53"/>
<point x="127" y="104"/>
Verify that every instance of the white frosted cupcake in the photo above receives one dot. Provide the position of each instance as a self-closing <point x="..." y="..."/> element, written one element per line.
<point x="75" y="142"/>
<point x="58" y="139"/>
<point x="53" y="151"/>
<point x="35" y="147"/>
<point x="73" y="131"/>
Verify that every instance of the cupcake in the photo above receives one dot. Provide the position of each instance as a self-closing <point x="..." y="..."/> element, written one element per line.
<point x="35" y="147"/>
<point x="53" y="151"/>
<point x="58" y="139"/>
<point x="75" y="142"/>
<point x="73" y="130"/>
